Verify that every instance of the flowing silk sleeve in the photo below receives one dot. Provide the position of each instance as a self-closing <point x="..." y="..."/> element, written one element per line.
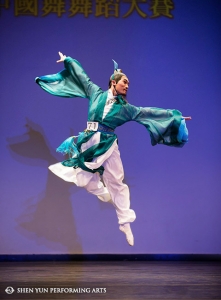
<point x="70" y="82"/>
<point x="166" y="126"/>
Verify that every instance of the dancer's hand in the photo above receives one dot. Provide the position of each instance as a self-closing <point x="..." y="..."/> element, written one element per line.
<point x="187" y="118"/>
<point x="62" y="57"/>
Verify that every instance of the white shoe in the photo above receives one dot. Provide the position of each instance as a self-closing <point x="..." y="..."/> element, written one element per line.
<point x="129" y="235"/>
<point x="105" y="197"/>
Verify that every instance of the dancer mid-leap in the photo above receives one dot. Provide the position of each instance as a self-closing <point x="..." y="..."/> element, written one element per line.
<point x="96" y="151"/>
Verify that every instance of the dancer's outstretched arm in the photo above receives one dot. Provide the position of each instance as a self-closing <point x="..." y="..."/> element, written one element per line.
<point x="70" y="82"/>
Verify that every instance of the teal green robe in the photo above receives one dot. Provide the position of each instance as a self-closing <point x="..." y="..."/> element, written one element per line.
<point x="165" y="126"/>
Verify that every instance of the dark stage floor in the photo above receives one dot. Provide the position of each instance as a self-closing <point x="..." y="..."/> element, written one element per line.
<point x="111" y="280"/>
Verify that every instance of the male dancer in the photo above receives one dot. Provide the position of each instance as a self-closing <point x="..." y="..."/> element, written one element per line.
<point x="96" y="152"/>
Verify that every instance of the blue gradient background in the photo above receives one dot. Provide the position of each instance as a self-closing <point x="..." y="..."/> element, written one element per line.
<point x="171" y="63"/>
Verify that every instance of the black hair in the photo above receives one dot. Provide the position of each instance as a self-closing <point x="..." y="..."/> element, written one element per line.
<point x="117" y="77"/>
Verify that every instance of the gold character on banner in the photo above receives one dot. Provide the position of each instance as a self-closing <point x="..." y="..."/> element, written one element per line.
<point x="4" y="4"/>
<point x="107" y="8"/>
<point x="80" y="7"/>
<point x="53" y="6"/>
<point x="161" y="8"/>
<point x="26" y="7"/>
<point x="134" y="6"/>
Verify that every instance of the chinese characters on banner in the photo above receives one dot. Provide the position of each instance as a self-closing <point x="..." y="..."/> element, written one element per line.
<point x="98" y="8"/>
<point x="4" y="4"/>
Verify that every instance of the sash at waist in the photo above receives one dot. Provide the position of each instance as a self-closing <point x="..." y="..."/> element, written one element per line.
<point x="104" y="128"/>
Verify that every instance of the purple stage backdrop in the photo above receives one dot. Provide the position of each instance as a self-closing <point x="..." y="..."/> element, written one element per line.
<point x="171" y="54"/>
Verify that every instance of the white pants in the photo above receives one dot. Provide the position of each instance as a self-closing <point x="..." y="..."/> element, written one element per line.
<point x="113" y="175"/>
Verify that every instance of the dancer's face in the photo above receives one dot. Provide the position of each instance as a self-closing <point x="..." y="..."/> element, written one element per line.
<point x="122" y="85"/>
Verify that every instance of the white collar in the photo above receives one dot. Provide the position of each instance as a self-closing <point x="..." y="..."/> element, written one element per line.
<point x="110" y="94"/>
